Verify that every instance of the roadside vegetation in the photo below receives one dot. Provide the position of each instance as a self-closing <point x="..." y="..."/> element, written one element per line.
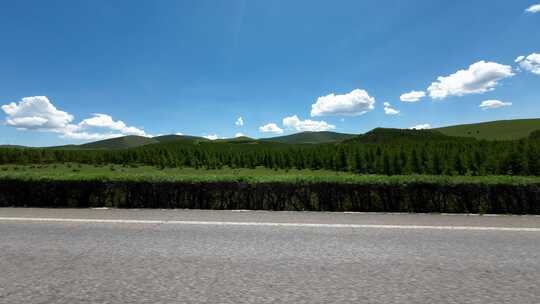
<point x="385" y="170"/>
<point x="83" y="186"/>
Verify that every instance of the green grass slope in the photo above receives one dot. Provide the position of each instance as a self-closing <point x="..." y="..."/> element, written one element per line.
<point x="494" y="130"/>
<point x="310" y="138"/>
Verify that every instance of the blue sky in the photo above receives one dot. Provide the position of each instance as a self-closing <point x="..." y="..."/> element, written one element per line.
<point x="195" y="67"/>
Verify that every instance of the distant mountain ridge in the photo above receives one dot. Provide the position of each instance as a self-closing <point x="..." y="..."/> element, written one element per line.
<point x="493" y="130"/>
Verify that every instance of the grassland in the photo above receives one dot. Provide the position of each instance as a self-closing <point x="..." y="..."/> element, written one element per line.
<point x="75" y="172"/>
<point x="494" y="130"/>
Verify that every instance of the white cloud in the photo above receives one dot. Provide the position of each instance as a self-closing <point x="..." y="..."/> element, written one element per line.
<point x="179" y="133"/>
<point x="421" y="127"/>
<point x="238" y="134"/>
<point x="89" y="136"/>
<point x="39" y="114"/>
<point x="355" y="103"/>
<point x="533" y="9"/>
<point x="36" y="113"/>
<point x="493" y="104"/>
<point x="271" y="128"/>
<point x="106" y="122"/>
<point x="479" y="78"/>
<point x="412" y="96"/>
<point x="239" y="122"/>
<point x="211" y="136"/>
<point x="388" y="110"/>
<point x="293" y="122"/>
<point x="530" y="63"/>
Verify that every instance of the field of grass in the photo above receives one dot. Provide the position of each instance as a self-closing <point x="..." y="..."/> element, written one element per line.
<point x="75" y="172"/>
<point x="494" y="130"/>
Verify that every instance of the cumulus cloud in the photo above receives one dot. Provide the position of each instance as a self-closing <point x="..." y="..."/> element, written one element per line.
<point x="388" y="110"/>
<point x="39" y="114"/>
<point x="211" y="136"/>
<point x="106" y="122"/>
<point x="238" y="134"/>
<point x="412" y="96"/>
<point x="179" y="133"/>
<point x="355" y="103"/>
<point x="271" y="128"/>
<point x="493" y="104"/>
<point x="239" y="122"/>
<point x="36" y="113"/>
<point x="530" y="63"/>
<point x="421" y="127"/>
<point x="533" y="9"/>
<point x="295" y="123"/>
<point x="479" y="78"/>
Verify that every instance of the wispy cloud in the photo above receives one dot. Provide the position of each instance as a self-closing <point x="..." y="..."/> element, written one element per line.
<point x="493" y="104"/>
<point x="412" y="96"/>
<point x="239" y="122"/>
<point x="533" y="9"/>
<point x="388" y="110"/>
<point x="421" y="127"/>
<point x="530" y="63"/>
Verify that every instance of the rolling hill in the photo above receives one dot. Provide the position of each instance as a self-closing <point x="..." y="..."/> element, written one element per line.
<point x="386" y="135"/>
<point x="494" y="130"/>
<point x="124" y="142"/>
<point x="310" y="138"/>
<point x="132" y="141"/>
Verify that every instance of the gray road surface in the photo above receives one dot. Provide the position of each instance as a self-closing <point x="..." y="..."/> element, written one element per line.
<point x="160" y="256"/>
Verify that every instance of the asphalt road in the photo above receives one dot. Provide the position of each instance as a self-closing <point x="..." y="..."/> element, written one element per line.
<point x="178" y="256"/>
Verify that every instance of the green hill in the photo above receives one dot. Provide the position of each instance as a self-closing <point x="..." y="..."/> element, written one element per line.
<point x="310" y="138"/>
<point x="178" y="138"/>
<point x="386" y="135"/>
<point x="132" y="141"/>
<point x="123" y="142"/>
<point x="494" y="130"/>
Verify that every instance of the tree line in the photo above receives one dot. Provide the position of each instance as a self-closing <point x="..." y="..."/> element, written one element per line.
<point x="444" y="157"/>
